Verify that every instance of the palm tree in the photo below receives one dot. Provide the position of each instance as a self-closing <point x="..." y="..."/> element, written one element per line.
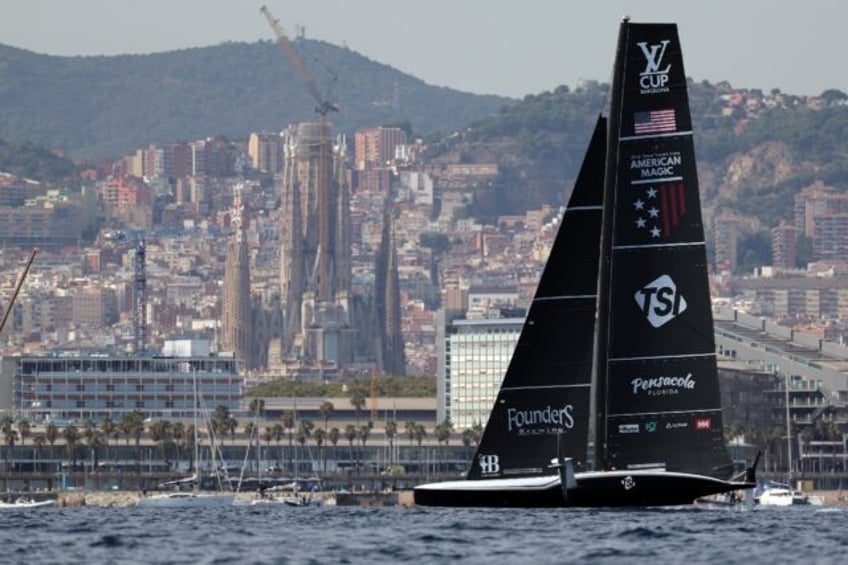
<point x="477" y="432"/>
<point x="89" y="428"/>
<point x="6" y="423"/>
<point x="24" y="430"/>
<point x="160" y="433"/>
<point x="391" y="432"/>
<point x="38" y="441"/>
<point x="71" y="436"/>
<point x="420" y="433"/>
<point x="51" y="432"/>
<point x="320" y="435"/>
<point x="11" y="436"/>
<point x="188" y="446"/>
<point x="178" y="432"/>
<point x="231" y="425"/>
<point x="251" y="430"/>
<point x="278" y="437"/>
<point x="288" y="424"/>
<point x="362" y="433"/>
<point x="410" y="426"/>
<point x="95" y="442"/>
<point x="109" y="429"/>
<point x="443" y="433"/>
<point x="132" y="425"/>
<point x="257" y="407"/>
<point x="350" y="434"/>
<point x="447" y="430"/>
<point x="268" y="437"/>
<point x="304" y="432"/>
<point x="334" y="436"/>
<point x="326" y="410"/>
<point x="357" y="400"/>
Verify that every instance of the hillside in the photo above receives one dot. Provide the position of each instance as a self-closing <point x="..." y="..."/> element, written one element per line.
<point x="755" y="150"/>
<point x="96" y="107"/>
<point x="30" y="161"/>
<point x="752" y="158"/>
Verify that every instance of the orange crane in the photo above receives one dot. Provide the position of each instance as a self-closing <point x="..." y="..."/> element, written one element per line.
<point x="17" y="289"/>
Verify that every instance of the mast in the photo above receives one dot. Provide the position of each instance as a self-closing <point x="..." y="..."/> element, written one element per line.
<point x="604" y="297"/>
<point x="196" y="436"/>
<point x="788" y="431"/>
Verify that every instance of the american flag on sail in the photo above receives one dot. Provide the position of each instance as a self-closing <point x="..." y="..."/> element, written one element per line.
<point x="654" y="121"/>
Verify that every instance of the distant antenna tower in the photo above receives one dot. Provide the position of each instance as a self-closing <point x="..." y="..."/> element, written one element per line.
<point x="299" y="31"/>
<point x="139" y="300"/>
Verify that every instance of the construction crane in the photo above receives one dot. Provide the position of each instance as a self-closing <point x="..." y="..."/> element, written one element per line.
<point x="322" y="175"/>
<point x="18" y="289"/>
<point x="324" y="105"/>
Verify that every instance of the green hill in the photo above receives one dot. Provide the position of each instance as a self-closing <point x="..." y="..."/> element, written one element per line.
<point x="95" y="107"/>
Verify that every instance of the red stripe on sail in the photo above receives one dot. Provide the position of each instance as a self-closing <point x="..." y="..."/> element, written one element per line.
<point x="673" y="205"/>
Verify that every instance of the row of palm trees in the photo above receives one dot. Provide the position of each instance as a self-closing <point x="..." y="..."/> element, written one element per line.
<point x="176" y="440"/>
<point x="95" y="437"/>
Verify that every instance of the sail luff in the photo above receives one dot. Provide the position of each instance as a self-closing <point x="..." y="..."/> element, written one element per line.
<point x="607" y="224"/>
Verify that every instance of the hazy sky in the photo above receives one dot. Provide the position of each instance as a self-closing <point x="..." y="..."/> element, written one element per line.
<point x="508" y="47"/>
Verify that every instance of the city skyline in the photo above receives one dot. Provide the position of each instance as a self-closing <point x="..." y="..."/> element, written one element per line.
<point x="497" y="47"/>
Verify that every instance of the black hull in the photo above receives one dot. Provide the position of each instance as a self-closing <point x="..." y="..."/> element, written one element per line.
<point x="597" y="489"/>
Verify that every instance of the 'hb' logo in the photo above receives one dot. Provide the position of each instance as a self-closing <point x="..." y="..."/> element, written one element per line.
<point x="660" y="301"/>
<point x="489" y="464"/>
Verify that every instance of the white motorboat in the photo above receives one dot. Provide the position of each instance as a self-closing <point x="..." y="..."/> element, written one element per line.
<point x="182" y="499"/>
<point x="24" y="502"/>
<point x="779" y="494"/>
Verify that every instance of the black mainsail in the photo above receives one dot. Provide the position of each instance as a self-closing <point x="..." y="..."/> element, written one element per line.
<point x="658" y="380"/>
<point x="630" y="253"/>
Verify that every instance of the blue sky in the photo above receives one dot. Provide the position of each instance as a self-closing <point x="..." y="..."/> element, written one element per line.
<point x="505" y="47"/>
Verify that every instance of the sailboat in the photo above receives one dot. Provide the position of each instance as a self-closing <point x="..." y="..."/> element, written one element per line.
<point x="619" y="335"/>
<point x="192" y="498"/>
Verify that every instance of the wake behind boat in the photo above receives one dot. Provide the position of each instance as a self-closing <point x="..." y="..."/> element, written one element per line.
<point x="630" y="253"/>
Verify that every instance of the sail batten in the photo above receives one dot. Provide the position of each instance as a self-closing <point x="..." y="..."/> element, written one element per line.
<point x="657" y="245"/>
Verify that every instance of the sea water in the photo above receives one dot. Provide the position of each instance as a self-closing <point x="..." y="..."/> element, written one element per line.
<point x="282" y="534"/>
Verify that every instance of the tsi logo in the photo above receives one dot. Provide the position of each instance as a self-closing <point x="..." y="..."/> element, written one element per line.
<point x="489" y="464"/>
<point x="654" y="79"/>
<point x="660" y="301"/>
